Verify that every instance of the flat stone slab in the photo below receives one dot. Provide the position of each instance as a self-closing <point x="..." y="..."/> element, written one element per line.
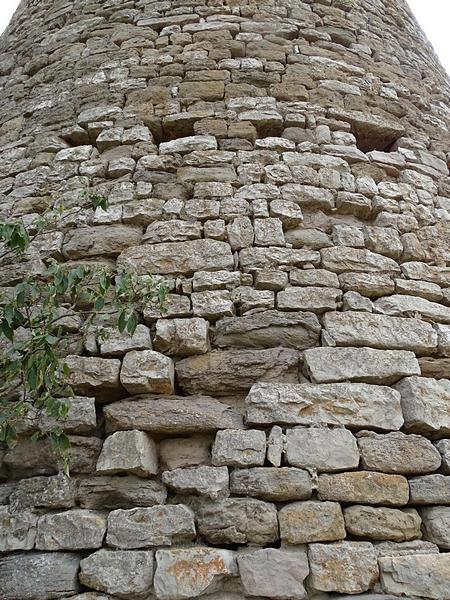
<point x="350" y="404"/>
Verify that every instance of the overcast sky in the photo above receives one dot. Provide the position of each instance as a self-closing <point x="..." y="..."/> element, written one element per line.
<point x="433" y="15"/>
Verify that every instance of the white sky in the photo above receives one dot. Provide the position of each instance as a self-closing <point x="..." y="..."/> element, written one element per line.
<point x="433" y="15"/>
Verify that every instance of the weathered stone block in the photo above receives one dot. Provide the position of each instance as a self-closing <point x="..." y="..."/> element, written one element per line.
<point x="424" y="575"/>
<point x="171" y="414"/>
<point x="105" y="492"/>
<point x="353" y="404"/>
<point x="128" y="452"/>
<point x="43" y="575"/>
<point x="17" y="529"/>
<point x="297" y="330"/>
<point x="436" y="525"/>
<point x="368" y="365"/>
<point x="305" y="522"/>
<point x="341" y="259"/>
<point x="191" y="572"/>
<point x="125" y="574"/>
<point x="379" y="523"/>
<point x="94" y="376"/>
<point x="402" y="306"/>
<point x="57" y="491"/>
<point x="429" y="489"/>
<point x="364" y="487"/>
<point x="425" y="403"/>
<point x="252" y="259"/>
<point x="179" y="453"/>
<point x="380" y="331"/>
<point x="221" y="373"/>
<point x="203" y="481"/>
<point x="397" y="452"/>
<point x="239" y="448"/>
<point x="178" y="258"/>
<point x="322" y="448"/>
<point x="274" y="573"/>
<point x="145" y="527"/>
<point x="344" y="567"/>
<point x="277" y="485"/>
<point x="315" y="299"/>
<point x="444" y="448"/>
<point x="147" y="371"/>
<point x="118" y="344"/>
<point x="238" y="521"/>
<point x="103" y="240"/>
<point x="74" y="529"/>
<point x="182" y="337"/>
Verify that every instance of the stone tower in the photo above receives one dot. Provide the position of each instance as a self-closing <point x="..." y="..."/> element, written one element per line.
<point x="281" y="432"/>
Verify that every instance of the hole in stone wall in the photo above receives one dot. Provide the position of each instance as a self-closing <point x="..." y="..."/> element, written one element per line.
<point x="375" y="138"/>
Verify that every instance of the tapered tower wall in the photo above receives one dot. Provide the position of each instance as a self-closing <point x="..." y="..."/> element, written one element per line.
<point x="283" y="429"/>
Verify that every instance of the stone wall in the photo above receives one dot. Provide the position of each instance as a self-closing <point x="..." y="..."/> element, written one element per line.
<point x="283" y="430"/>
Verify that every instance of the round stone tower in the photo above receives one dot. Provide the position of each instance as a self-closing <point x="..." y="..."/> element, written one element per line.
<point x="282" y="431"/>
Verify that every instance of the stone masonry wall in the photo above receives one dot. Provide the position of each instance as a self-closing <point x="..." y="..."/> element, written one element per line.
<point x="283" y="431"/>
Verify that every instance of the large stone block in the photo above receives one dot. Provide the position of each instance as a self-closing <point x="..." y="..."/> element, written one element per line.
<point x="128" y="452"/>
<point x="109" y="492"/>
<point x="436" y="525"/>
<point x="341" y="259"/>
<point x="344" y="567"/>
<point x="322" y="448"/>
<point x="171" y="414"/>
<point x="315" y="299"/>
<point x="274" y="484"/>
<point x="305" y="522"/>
<point x="222" y="373"/>
<point x="429" y="489"/>
<point x="425" y="403"/>
<point x="380" y="331"/>
<point x="80" y="419"/>
<point x="125" y="574"/>
<point x="239" y="448"/>
<point x="379" y="523"/>
<point x="39" y="575"/>
<point x="269" y="328"/>
<point x="147" y="371"/>
<point x="17" y="529"/>
<point x="402" y="306"/>
<point x="252" y="259"/>
<point x="191" y="572"/>
<point x="397" y="452"/>
<point x="178" y="258"/>
<point x="182" y="337"/>
<point x="211" y="482"/>
<point x="71" y="530"/>
<point x="364" y="487"/>
<point x="274" y="573"/>
<point x="424" y="575"/>
<point x="179" y="453"/>
<point x="352" y="404"/>
<point x="368" y="365"/>
<point x="57" y="491"/>
<point x="238" y="521"/>
<point x="103" y="240"/>
<point x="94" y="376"/>
<point x="118" y="344"/>
<point x="146" y="527"/>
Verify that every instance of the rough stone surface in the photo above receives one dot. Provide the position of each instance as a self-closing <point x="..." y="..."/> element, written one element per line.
<point x="109" y="492"/>
<point x="344" y="567"/>
<point x="239" y="448"/>
<point x="238" y="521"/>
<point x="148" y="527"/>
<point x="355" y="404"/>
<point x="274" y="573"/>
<point x="425" y="404"/>
<point x="147" y="371"/>
<point x="436" y="525"/>
<point x="49" y="575"/>
<point x="130" y="452"/>
<point x="429" y="489"/>
<point x="306" y="522"/>
<point x="124" y="574"/>
<point x="322" y="448"/>
<point x="17" y="530"/>
<point x="368" y="365"/>
<point x="397" y="453"/>
<point x="379" y="523"/>
<point x="191" y="572"/>
<point x="277" y="485"/>
<point x="211" y="482"/>
<point x="425" y="575"/>
<point x="71" y="530"/>
<point x="364" y="487"/>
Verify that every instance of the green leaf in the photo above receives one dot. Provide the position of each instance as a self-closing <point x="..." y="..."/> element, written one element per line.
<point x="122" y="322"/>
<point x="132" y="323"/>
